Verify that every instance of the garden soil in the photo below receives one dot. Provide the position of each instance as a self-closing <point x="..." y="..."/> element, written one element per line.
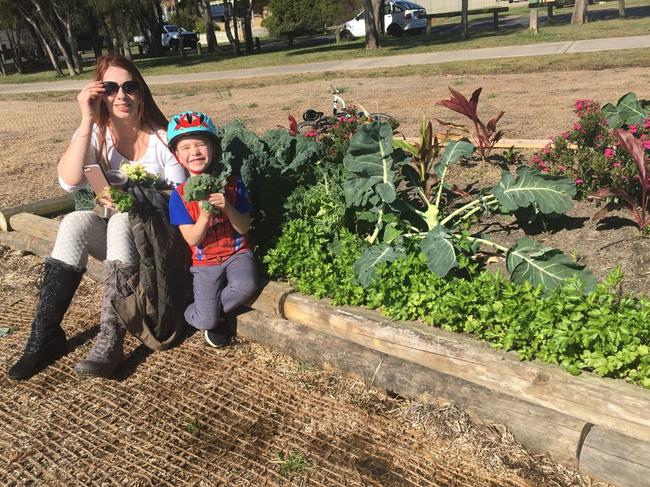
<point x="247" y="415"/>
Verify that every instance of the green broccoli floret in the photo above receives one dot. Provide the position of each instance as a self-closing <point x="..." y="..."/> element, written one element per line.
<point x="201" y="186"/>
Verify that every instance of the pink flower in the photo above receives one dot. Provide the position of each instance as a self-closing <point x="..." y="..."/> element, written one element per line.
<point x="579" y="181"/>
<point x="562" y="168"/>
<point x="646" y="123"/>
<point x="617" y="164"/>
<point x="577" y="126"/>
<point x="536" y="159"/>
<point x="609" y="153"/>
<point x="565" y="135"/>
<point x="633" y="129"/>
<point x="646" y="144"/>
<point x="311" y="133"/>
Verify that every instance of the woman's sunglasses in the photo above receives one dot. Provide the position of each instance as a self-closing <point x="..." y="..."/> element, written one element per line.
<point x="129" y="87"/>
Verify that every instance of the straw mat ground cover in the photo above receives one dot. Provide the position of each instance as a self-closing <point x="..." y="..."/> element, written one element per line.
<point x="241" y="416"/>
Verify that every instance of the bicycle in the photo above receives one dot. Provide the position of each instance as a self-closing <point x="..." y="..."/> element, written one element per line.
<point x="317" y="121"/>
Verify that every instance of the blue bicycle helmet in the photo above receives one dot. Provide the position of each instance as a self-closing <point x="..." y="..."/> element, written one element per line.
<point x="187" y="123"/>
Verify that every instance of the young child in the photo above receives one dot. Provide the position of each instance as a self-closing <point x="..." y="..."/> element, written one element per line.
<point x="223" y="267"/>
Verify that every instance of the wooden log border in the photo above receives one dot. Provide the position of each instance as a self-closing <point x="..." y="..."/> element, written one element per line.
<point x="601" y="426"/>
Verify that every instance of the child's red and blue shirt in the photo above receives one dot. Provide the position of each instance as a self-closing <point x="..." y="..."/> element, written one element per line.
<point x="221" y="240"/>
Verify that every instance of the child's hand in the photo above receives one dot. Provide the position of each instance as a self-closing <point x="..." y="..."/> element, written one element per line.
<point x="219" y="201"/>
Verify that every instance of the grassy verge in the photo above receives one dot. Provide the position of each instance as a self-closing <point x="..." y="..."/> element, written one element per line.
<point x="537" y="64"/>
<point x="444" y="39"/>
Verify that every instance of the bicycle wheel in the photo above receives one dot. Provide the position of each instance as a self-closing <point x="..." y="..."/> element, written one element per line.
<point x="304" y="127"/>
<point x="381" y="117"/>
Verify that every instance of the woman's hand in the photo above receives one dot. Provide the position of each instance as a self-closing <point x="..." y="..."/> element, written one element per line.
<point x="105" y="199"/>
<point x="89" y="100"/>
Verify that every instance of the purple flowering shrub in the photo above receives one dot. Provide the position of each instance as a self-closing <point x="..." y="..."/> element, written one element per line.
<point x="591" y="155"/>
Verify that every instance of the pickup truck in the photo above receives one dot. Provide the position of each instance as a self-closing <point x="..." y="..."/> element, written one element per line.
<point x="170" y="38"/>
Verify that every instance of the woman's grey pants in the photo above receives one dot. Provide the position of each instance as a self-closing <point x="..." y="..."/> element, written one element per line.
<point x="218" y="288"/>
<point x="83" y="232"/>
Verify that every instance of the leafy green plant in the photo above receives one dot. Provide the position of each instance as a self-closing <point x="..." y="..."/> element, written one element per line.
<point x="628" y="111"/>
<point x="193" y="427"/>
<point x="122" y="200"/>
<point x="590" y="154"/>
<point x="483" y="135"/>
<point x="604" y="331"/>
<point x="293" y="463"/>
<point x="380" y="190"/>
<point x="272" y="166"/>
<point x="635" y="148"/>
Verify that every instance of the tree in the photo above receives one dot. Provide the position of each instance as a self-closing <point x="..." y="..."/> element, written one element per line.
<point x="49" y="19"/>
<point x="372" y="35"/>
<point x="579" y="16"/>
<point x="27" y="12"/>
<point x="206" y="13"/>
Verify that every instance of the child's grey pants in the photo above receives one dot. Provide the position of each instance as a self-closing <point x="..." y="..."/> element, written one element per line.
<point x="83" y="232"/>
<point x="218" y="288"/>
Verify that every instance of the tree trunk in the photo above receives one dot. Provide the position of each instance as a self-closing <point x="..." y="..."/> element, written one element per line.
<point x="235" y="22"/>
<point x="227" y="16"/>
<point x="64" y="17"/>
<point x="211" y="39"/>
<point x="76" y="57"/>
<point x="464" y="18"/>
<point x="33" y="22"/>
<point x="248" y="28"/>
<point x="378" y="13"/>
<point x="621" y="9"/>
<point x="115" y="36"/>
<point x="579" y="16"/>
<point x="533" y="23"/>
<point x="39" y="53"/>
<point x="124" y="35"/>
<point x="372" y="35"/>
<point x="181" y="47"/>
<point x="16" y="49"/>
<point x="58" y="37"/>
<point x="3" y="70"/>
<point x="108" y="34"/>
<point x="95" y="38"/>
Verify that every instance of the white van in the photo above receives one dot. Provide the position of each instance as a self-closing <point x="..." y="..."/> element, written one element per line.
<point x="399" y="16"/>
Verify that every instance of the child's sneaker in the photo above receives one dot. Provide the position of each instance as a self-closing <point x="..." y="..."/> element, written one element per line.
<point x="220" y="336"/>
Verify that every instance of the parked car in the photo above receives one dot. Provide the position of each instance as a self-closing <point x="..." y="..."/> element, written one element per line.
<point x="400" y="16"/>
<point x="171" y="34"/>
<point x="170" y="38"/>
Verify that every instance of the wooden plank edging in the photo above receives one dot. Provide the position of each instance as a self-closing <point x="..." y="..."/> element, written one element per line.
<point x="541" y="429"/>
<point x="47" y="207"/>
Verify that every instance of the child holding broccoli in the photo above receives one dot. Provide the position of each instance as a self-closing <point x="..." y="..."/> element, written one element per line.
<point x="212" y="212"/>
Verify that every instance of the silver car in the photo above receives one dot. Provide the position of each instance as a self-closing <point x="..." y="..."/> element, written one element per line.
<point x="399" y="16"/>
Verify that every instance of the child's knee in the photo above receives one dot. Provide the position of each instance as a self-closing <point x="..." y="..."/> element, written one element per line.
<point x="244" y="287"/>
<point x="202" y="319"/>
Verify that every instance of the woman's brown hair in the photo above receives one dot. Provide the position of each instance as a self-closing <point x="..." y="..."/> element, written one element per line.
<point x="148" y="112"/>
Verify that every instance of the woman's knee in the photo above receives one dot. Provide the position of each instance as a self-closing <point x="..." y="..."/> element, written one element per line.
<point x="77" y="224"/>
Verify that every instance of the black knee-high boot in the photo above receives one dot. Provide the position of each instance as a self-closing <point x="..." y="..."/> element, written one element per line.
<point x="47" y="341"/>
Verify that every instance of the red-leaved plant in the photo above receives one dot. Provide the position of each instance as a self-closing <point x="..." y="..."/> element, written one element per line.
<point x="485" y="135"/>
<point x="634" y="147"/>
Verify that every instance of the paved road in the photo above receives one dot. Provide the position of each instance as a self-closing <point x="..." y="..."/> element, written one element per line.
<point x="541" y="49"/>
